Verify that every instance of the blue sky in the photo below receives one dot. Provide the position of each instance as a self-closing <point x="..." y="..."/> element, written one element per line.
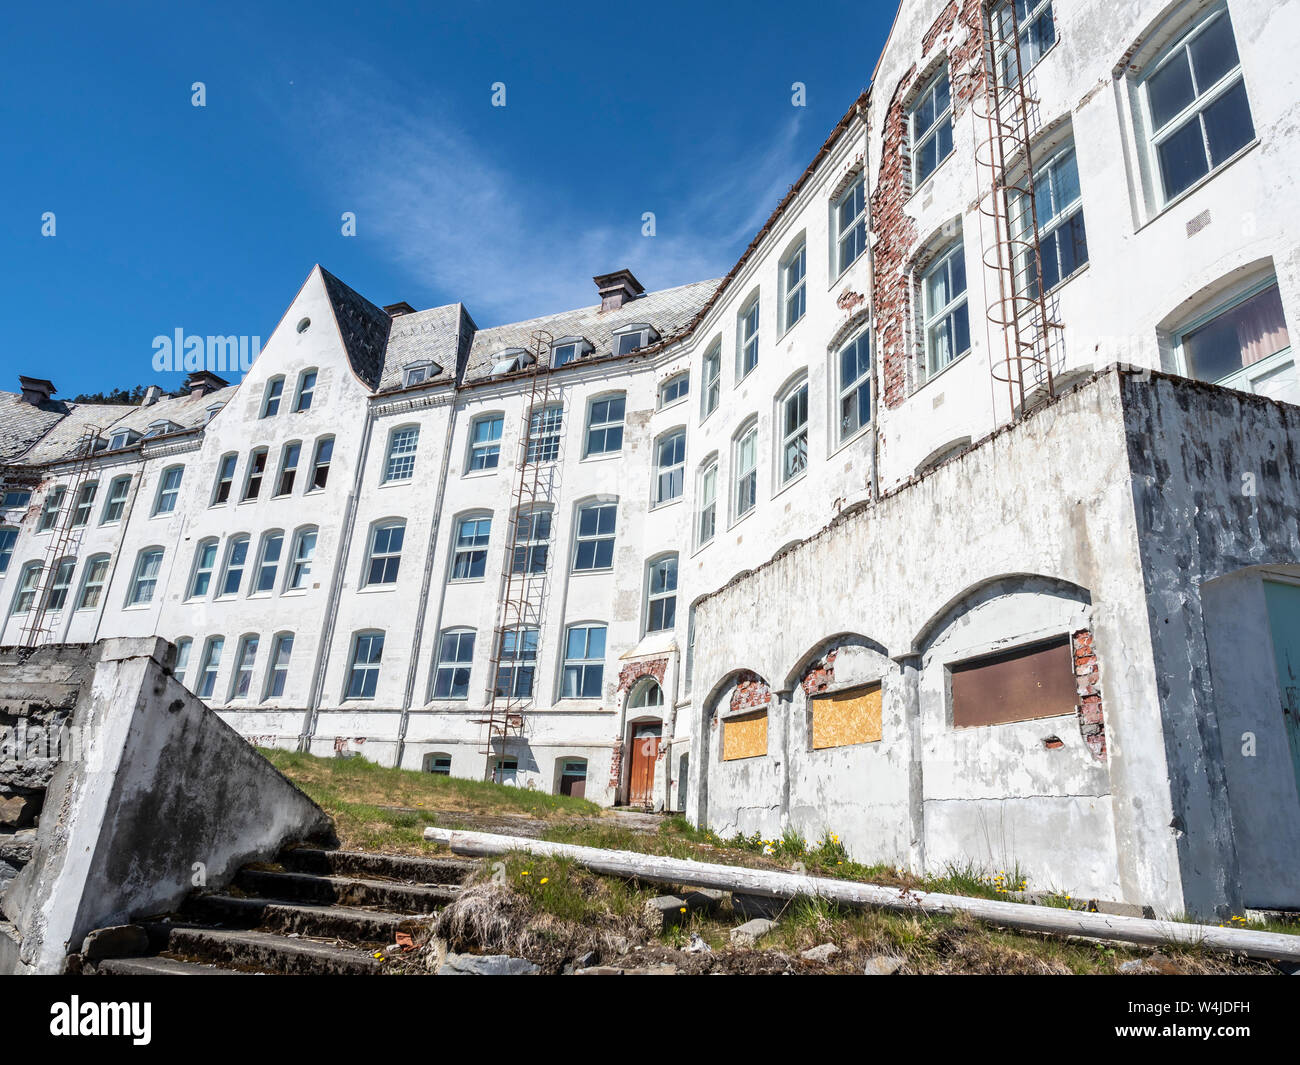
<point x="208" y="219"/>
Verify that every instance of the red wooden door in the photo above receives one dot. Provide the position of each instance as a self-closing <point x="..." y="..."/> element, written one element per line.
<point x="645" y="752"/>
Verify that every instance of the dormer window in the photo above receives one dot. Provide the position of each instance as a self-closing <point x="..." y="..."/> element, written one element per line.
<point x="158" y="428"/>
<point x="510" y="360"/>
<point x="416" y="373"/>
<point x="633" y="338"/>
<point x="567" y="350"/>
<point x="122" y="438"/>
<point x="212" y="412"/>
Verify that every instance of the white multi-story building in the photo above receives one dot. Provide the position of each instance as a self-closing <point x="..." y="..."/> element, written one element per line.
<point x="327" y="542"/>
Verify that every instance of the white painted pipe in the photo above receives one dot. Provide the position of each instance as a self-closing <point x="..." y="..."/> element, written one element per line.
<point x="782" y="885"/>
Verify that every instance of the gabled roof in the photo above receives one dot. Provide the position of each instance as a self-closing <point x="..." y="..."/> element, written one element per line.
<point x="363" y="327"/>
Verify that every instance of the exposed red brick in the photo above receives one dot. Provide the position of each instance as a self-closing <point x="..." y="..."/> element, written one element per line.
<point x="751" y="692"/>
<point x="1087" y="671"/>
<point x="634" y="671"/>
<point x="820" y="675"/>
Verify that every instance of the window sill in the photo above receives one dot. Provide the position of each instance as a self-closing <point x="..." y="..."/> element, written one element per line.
<point x="785" y="485"/>
<point x="940" y="372"/>
<point x="371" y="589"/>
<point x="458" y="580"/>
<point x="853" y="437"/>
<point x="742" y="378"/>
<point x="675" y="403"/>
<point x="602" y="456"/>
<point x="795" y="324"/>
<point x="748" y="514"/>
<point x="665" y="504"/>
<point x="468" y="474"/>
<point x="1200" y="183"/>
<point x="585" y="572"/>
<point x="844" y="273"/>
<point x="929" y="177"/>
<point x="396" y="483"/>
<point x="700" y="547"/>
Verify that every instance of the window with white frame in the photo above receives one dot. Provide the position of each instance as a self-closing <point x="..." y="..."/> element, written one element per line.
<point x="469" y="558"/>
<point x="92" y="582"/>
<point x="16" y="498"/>
<point x="544" y="434"/>
<point x="28" y="582"/>
<point x="209" y="667"/>
<point x="306" y="390"/>
<point x="83" y="504"/>
<point x="605" y="425"/>
<point x="8" y="537"/>
<point x="661" y="594"/>
<point x="712" y="393"/>
<point x="930" y="124"/>
<point x="236" y="559"/>
<point x="60" y="583"/>
<point x="745" y="465"/>
<point x="1026" y="22"/>
<point x="144" y="582"/>
<point x="115" y="504"/>
<point x="256" y="471"/>
<point x="670" y="466"/>
<point x="851" y="224"/>
<point x="277" y="674"/>
<point x="595" y="540"/>
<point x="794" y="274"/>
<point x="855" y="384"/>
<point x="1198" y="114"/>
<point x="794" y="432"/>
<point x="268" y="563"/>
<point x="567" y="350"/>
<point x="289" y="456"/>
<point x="53" y="507"/>
<point x="628" y="341"/>
<point x="944" y="314"/>
<point x="272" y="396"/>
<point x="706" y="523"/>
<point x="303" y="551"/>
<point x="532" y="542"/>
<point x="1243" y="343"/>
<point x="485" y="442"/>
<point x="455" y="661"/>
<point x="183" y="648"/>
<point x="417" y="373"/>
<point x="518" y="663"/>
<point x="584" y="662"/>
<point x="205" y="562"/>
<point x="402" y="445"/>
<point x="675" y="388"/>
<point x="169" y="490"/>
<point x="320" y="463"/>
<point x="245" y="659"/>
<point x="225" y="478"/>
<point x="385" y="557"/>
<point x="1058" y="203"/>
<point x="363" y="672"/>
<point x="747" y="339"/>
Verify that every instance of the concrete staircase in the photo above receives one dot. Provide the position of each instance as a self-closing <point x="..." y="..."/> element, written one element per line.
<point x="315" y="912"/>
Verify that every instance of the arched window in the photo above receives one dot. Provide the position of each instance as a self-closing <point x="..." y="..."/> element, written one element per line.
<point x="304" y="549"/>
<point x="236" y="559"/>
<point x="670" y="465"/>
<point x="469" y="547"/>
<point x="384" y="557"/>
<point x="711" y="393"/>
<point x="661" y="593"/>
<point x="744" y="465"/>
<point x="306" y="389"/>
<point x="455" y="662"/>
<point x="793" y="412"/>
<point x="144" y="581"/>
<point x="169" y="490"/>
<point x="437" y="763"/>
<point x="256" y="471"/>
<point x="241" y="679"/>
<point x="485" y="442"/>
<point x="363" y="665"/>
<point x="277" y="673"/>
<point x="289" y="456"/>
<point x="402" y="445"/>
<point x="205" y="562"/>
<point x="320" y="463"/>
<point x="747" y="338"/>
<point x="268" y="561"/>
<point x="605" y="425"/>
<point x="706" y="501"/>
<point x="271" y="397"/>
<point x="92" y="582"/>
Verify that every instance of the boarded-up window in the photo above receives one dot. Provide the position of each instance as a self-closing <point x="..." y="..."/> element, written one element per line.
<point x="843" y="718"/>
<point x="744" y="736"/>
<point x="1018" y="685"/>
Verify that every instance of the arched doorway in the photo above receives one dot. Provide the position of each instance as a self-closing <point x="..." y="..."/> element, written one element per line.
<point x="645" y="734"/>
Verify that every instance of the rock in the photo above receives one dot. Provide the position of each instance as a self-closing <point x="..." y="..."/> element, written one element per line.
<point x="618" y="944"/>
<point x="822" y="954"/>
<point x="697" y="945"/>
<point x="486" y="965"/>
<point x="17" y="811"/>
<point x="116" y="941"/>
<point x="35" y="773"/>
<point x="613" y="970"/>
<point x="584" y="960"/>
<point x="751" y="932"/>
<point x="706" y="900"/>
<point x="1155" y="965"/>
<point x="882" y="965"/>
<point x="16" y="847"/>
<point x="757" y="906"/>
<point x="664" y="912"/>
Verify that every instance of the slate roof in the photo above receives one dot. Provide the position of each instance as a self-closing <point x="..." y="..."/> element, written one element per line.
<point x="440" y="334"/>
<point x="22" y="424"/>
<point x="363" y="327"/>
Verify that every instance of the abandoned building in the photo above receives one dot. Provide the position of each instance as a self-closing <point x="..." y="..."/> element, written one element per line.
<point x="960" y="518"/>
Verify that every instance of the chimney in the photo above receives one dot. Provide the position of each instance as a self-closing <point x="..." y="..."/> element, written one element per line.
<point x="617" y="289"/>
<point x="151" y="396"/>
<point x="393" y="310"/>
<point x="36" y="390"/>
<point x="201" y="382"/>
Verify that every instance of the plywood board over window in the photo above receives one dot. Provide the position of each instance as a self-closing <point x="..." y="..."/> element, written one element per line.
<point x="1022" y="684"/>
<point x="843" y="718"/>
<point x="744" y="736"/>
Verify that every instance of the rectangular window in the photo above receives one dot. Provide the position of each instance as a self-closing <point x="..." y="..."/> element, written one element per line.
<point x="793" y="276"/>
<point x="236" y="557"/>
<point x="278" y="674"/>
<point x="794" y="433"/>
<point x="747" y="340"/>
<point x="302" y="556"/>
<point x="205" y="561"/>
<point x="675" y="388"/>
<point x="225" y="478"/>
<point x="584" y="662"/>
<point x="209" y="667"/>
<point x="670" y="465"/>
<point x="712" y="380"/>
<point x="320" y="466"/>
<point x="708" y="520"/>
<point x="1197" y="105"/>
<point x="931" y="128"/>
<point x="851" y="224"/>
<point x="746" y="466"/>
<point x="363" y="677"/>
<point x="563" y="354"/>
<point x="1058" y="205"/>
<point x="605" y="426"/>
<point x="1232" y="346"/>
<point x="744" y="736"/>
<point x="169" y="490"/>
<point x="145" y="580"/>
<point x="256" y="470"/>
<point x="843" y="718"/>
<point x="271" y="404"/>
<point x="855" y="384"/>
<point x="626" y="343"/>
<point x="306" y="390"/>
<point x="81" y="509"/>
<point x="8" y="537"/>
<point x="25" y="599"/>
<point x="1017" y="685"/>
<point x="385" y="554"/>
<point x="532" y="542"/>
<point x="288" y="469"/>
<point x="945" y="316"/>
<point x="518" y="663"/>
<point x="245" y="659"/>
<point x="183" y="647"/>
<point x="1035" y="28"/>
<point x="595" y="540"/>
<point x="402" y="446"/>
<point x="53" y="505"/>
<point x="57" y="596"/>
<point x="505" y="771"/>
<point x="544" y="434"/>
<point x="92" y="584"/>
<point x="269" y="565"/>
<point x="485" y="442"/>
<point x="661" y="595"/>
<point x="115" y="504"/>
<point x="455" y="660"/>
<point x="470" y="557"/>
<point x="14" y="498"/>
<point x="439" y="765"/>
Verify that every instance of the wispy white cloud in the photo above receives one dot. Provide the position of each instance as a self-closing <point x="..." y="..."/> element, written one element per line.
<point x="479" y="228"/>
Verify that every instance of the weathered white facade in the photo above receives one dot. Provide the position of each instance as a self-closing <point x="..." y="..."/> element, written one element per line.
<point x="837" y="376"/>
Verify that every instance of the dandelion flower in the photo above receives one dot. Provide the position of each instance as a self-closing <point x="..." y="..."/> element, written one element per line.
<point x="544" y="880"/>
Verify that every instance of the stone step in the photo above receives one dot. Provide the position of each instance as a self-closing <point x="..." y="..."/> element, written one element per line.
<point x="324" y="922"/>
<point x="261" y="951"/>
<point x="389" y="866"/>
<point x="347" y="891"/>
<point x="155" y="967"/>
